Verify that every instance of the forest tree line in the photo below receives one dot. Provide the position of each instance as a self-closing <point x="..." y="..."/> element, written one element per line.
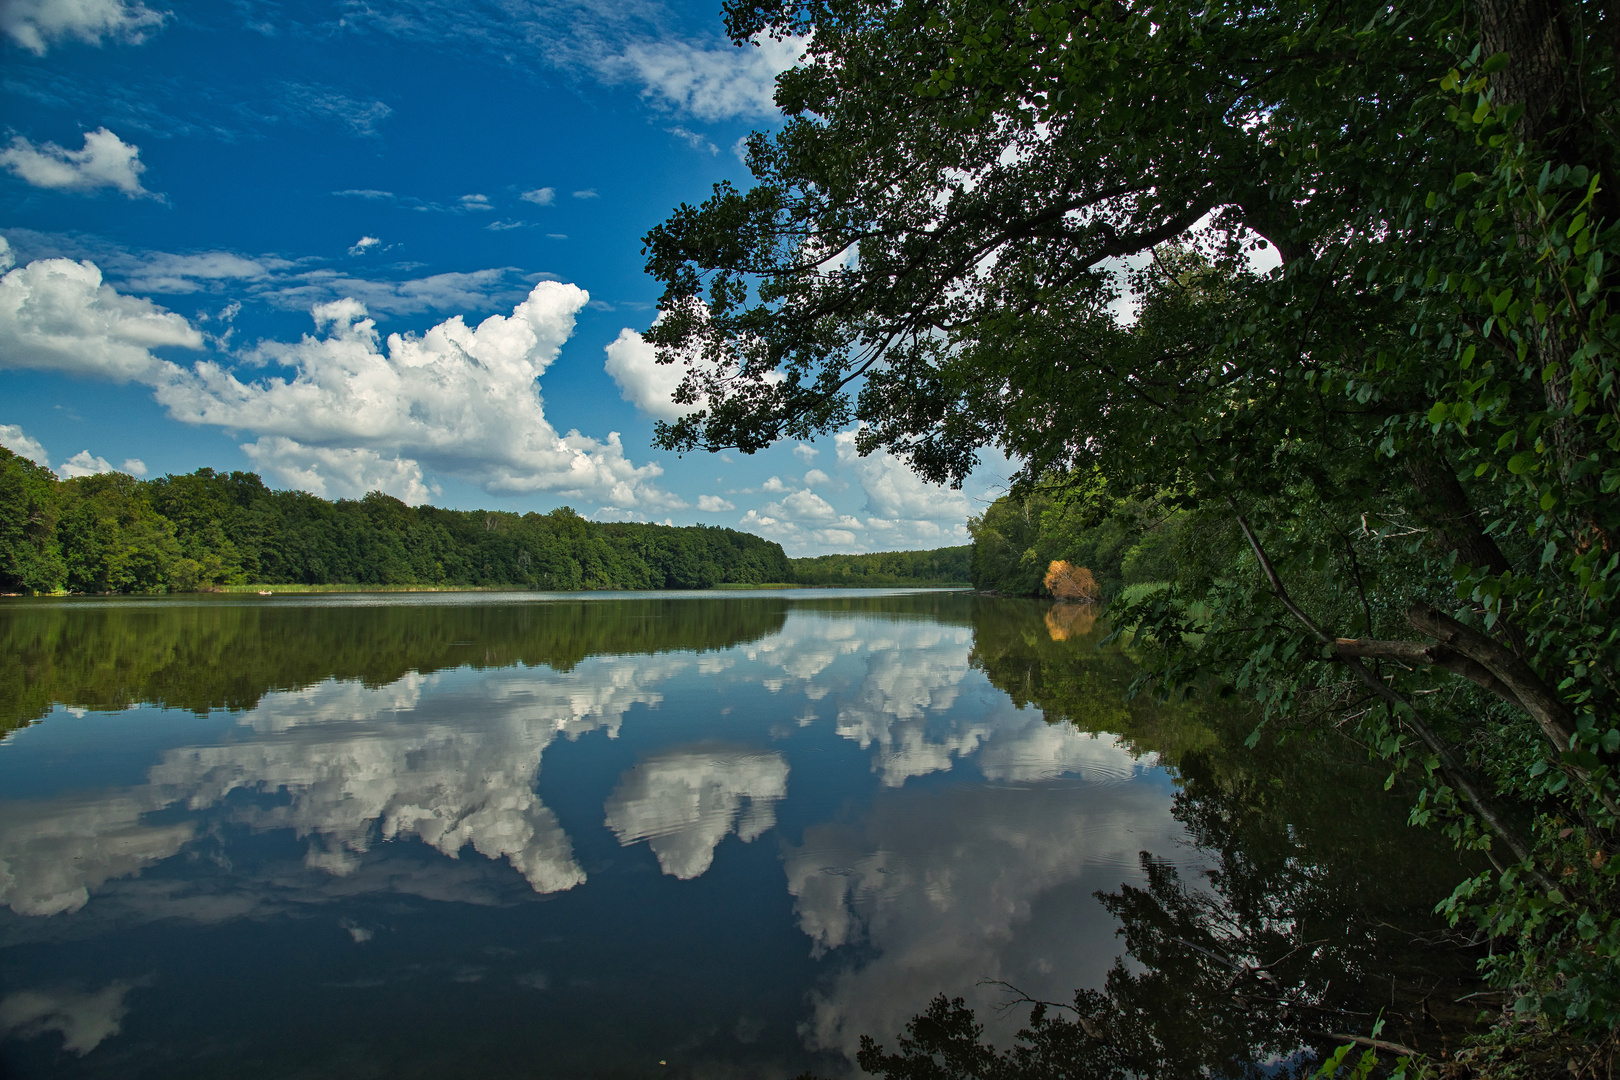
<point x="1122" y="542"/>
<point x="114" y="533"/>
<point x="941" y="566"/>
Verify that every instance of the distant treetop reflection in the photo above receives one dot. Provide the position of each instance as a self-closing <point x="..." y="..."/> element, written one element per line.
<point x="228" y="654"/>
<point x="201" y="654"/>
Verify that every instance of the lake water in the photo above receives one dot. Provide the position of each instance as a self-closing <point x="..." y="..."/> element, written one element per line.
<point x="725" y="834"/>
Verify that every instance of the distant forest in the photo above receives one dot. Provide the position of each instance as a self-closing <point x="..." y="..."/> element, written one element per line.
<point x="950" y="565"/>
<point x="114" y="533"/>
<point x="1123" y="542"/>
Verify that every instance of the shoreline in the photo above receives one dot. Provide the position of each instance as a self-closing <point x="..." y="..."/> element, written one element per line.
<point x="354" y="589"/>
<point x="239" y="590"/>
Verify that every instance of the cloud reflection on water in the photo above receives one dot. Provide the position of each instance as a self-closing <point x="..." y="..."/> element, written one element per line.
<point x="684" y="802"/>
<point x="910" y="888"/>
<point x="449" y="760"/>
<point x="943" y="889"/>
<point x="54" y="852"/>
<point x="84" y="1020"/>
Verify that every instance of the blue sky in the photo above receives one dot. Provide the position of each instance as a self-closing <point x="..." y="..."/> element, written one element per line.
<point x="391" y="246"/>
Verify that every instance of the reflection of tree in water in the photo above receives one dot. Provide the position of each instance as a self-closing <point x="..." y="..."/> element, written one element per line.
<point x="1065" y="621"/>
<point x="228" y="654"/>
<point x="1316" y="918"/>
<point x="953" y="607"/>
<point x="203" y="654"/>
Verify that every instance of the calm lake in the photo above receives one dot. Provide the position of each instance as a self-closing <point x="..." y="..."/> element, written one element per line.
<point x="717" y="835"/>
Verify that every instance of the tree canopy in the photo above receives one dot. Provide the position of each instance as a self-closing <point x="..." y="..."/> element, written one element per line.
<point x="114" y="533"/>
<point x="1036" y="226"/>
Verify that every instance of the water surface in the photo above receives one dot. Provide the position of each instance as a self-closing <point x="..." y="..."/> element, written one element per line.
<point x="647" y="834"/>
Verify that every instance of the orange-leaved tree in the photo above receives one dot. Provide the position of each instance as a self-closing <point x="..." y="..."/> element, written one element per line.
<point x="1074" y="583"/>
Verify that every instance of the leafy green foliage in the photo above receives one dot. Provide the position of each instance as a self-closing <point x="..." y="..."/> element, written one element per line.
<point x="1122" y="542"/>
<point x="113" y="533"/>
<point x="29" y="557"/>
<point x="1407" y="436"/>
<point x="941" y="566"/>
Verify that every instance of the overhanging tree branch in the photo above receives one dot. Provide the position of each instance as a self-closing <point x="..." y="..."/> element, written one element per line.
<point x="1451" y="767"/>
<point x="1525" y="688"/>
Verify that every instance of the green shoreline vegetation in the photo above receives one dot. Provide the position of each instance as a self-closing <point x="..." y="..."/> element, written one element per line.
<point x="300" y="589"/>
<point x="1377" y="465"/>
<point x="227" y="532"/>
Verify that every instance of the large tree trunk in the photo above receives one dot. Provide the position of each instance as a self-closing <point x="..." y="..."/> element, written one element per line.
<point x="1444" y="507"/>
<point x="1543" y="77"/>
<point x="1535" y="34"/>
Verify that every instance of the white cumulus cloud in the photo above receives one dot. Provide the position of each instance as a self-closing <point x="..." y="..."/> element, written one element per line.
<point x="805" y="506"/>
<point x="540" y="196"/>
<point x="105" y="161"/>
<point x="643" y="381"/>
<point x="804" y="522"/>
<point x="19" y="442"/>
<point x="358" y="411"/>
<point x="362" y="244"/>
<point x="893" y="491"/>
<point x="84" y="464"/>
<point x="336" y="472"/>
<point x="714" y="504"/>
<point x="38" y="24"/>
<point x="57" y="315"/>
<point x="903" y="511"/>
<point x="715" y="81"/>
<point x="458" y="400"/>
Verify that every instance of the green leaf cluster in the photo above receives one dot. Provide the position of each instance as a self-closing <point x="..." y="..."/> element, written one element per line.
<point x="1030" y="226"/>
<point x="1123" y="542"/>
